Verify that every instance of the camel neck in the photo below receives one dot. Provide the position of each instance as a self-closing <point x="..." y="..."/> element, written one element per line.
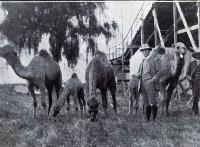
<point x="18" y="68"/>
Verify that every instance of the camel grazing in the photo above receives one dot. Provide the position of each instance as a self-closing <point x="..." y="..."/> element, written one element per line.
<point x="100" y="75"/>
<point x="174" y="63"/>
<point x="73" y="87"/>
<point x="42" y="72"/>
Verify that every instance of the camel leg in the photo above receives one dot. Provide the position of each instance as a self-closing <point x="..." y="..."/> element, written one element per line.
<point x="68" y="102"/>
<point x="31" y="90"/>
<point x="130" y="102"/>
<point x="81" y="104"/>
<point x="162" y="85"/>
<point x="169" y="94"/>
<point x="58" y="85"/>
<point x="75" y="99"/>
<point x="49" y="88"/>
<point x="104" y="101"/>
<point x="43" y="103"/>
<point x="113" y="94"/>
<point x="58" y="89"/>
<point x="81" y="100"/>
<point x="136" y="103"/>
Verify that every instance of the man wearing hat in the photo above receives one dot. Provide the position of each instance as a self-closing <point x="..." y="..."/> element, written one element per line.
<point x="149" y="73"/>
<point x="193" y="75"/>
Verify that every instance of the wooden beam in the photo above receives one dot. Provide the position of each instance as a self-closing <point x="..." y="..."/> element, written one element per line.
<point x="158" y="28"/>
<point x="194" y="27"/>
<point x="175" y="22"/>
<point x="199" y="23"/>
<point x="142" y="30"/>
<point x="186" y="26"/>
<point x="149" y="37"/>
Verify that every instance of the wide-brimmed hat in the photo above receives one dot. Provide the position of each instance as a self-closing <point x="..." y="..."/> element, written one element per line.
<point x="145" y="47"/>
<point x="196" y="55"/>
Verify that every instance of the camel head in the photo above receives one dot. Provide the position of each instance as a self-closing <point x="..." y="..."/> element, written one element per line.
<point x="92" y="108"/>
<point x="8" y="52"/>
<point x="7" y="49"/>
<point x="180" y="48"/>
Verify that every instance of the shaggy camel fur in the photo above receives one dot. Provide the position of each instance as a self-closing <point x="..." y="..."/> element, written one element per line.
<point x="174" y="64"/>
<point x="74" y="88"/>
<point x="100" y="75"/>
<point x="42" y="72"/>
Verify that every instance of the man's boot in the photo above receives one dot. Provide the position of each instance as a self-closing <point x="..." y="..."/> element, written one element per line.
<point x="148" y="113"/>
<point x="154" y="110"/>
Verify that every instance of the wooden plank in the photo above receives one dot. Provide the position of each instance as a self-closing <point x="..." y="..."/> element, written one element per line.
<point x="158" y="28"/>
<point x="199" y="23"/>
<point x="142" y="30"/>
<point x="186" y="26"/>
<point x="175" y="22"/>
<point x="194" y="27"/>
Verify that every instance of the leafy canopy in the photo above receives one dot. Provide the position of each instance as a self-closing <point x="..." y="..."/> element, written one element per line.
<point x="66" y="23"/>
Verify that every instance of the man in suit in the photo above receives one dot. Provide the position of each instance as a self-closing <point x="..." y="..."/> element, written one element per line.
<point x="193" y="75"/>
<point x="149" y="74"/>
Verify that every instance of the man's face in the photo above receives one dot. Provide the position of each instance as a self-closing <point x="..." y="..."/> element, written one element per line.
<point x="146" y="53"/>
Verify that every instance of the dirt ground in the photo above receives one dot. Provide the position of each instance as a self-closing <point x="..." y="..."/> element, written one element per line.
<point x="18" y="128"/>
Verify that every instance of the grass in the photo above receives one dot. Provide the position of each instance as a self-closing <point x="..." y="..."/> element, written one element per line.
<point x="18" y="128"/>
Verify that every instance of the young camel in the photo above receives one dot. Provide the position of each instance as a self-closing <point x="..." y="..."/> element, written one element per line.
<point x="42" y="72"/>
<point x="74" y="88"/>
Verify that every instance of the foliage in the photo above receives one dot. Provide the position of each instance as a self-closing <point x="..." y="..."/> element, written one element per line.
<point x="65" y="22"/>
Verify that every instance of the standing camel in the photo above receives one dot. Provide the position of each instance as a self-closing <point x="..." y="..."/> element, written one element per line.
<point x="100" y="75"/>
<point x="133" y="94"/>
<point x="42" y="72"/>
<point x="173" y="67"/>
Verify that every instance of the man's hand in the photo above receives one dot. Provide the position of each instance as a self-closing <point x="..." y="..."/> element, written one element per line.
<point x="189" y="78"/>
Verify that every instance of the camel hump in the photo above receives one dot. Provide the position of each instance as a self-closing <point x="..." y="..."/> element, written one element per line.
<point x="43" y="53"/>
<point x="74" y="76"/>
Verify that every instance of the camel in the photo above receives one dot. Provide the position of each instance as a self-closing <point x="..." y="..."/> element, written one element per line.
<point x="42" y="72"/>
<point x="133" y="93"/>
<point x="100" y="75"/>
<point x="74" y="88"/>
<point x="174" y="63"/>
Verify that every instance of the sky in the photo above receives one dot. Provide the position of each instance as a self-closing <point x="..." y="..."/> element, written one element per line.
<point x="122" y="12"/>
